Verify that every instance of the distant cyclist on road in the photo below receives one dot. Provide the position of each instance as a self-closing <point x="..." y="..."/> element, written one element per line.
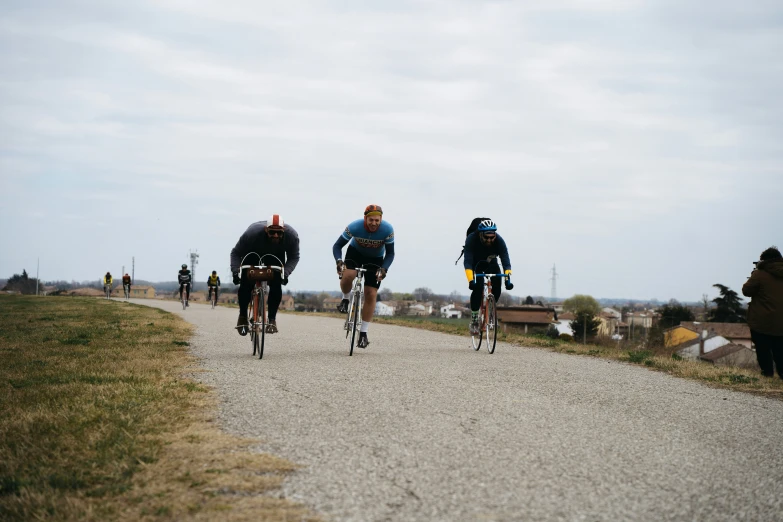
<point x="184" y="278"/>
<point x="126" y="283"/>
<point x="274" y="237"/>
<point x="213" y="283"/>
<point x="108" y="280"/>
<point x="370" y="241"/>
<point x="482" y="249"/>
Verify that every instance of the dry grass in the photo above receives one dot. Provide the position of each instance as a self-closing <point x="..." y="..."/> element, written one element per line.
<point x="98" y="422"/>
<point x="727" y="377"/>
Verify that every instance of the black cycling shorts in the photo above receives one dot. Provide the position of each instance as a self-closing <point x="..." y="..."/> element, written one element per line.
<point x="355" y="259"/>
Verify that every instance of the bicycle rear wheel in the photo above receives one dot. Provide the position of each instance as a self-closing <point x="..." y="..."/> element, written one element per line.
<point x="262" y="304"/>
<point x="354" y="311"/>
<point x="492" y="324"/>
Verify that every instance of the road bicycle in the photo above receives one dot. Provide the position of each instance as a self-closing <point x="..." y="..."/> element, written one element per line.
<point x="107" y="289"/>
<point x="488" y="314"/>
<point x="213" y="296"/>
<point x="126" y="288"/>
<point x="353" y="323"/>
<point x="259" y="274"/>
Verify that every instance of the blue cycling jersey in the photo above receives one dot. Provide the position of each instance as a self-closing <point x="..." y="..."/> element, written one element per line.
<point x="370" y="244"/>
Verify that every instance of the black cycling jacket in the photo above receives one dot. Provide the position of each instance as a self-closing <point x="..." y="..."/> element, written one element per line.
<point x="476" y="251"/>
<point x="255" y="240"/>
<point x="184" y="277"/>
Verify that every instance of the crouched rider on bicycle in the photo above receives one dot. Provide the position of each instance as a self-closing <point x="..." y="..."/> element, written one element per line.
<point x="126" y="283"/>
<point x="274" y="237"/>
<point x="370" y="241"/>
<point x="184" y="278"/>
<point x="213" y="283"/>
<point x="108" y="280"/>
<point x="482" y="248"/>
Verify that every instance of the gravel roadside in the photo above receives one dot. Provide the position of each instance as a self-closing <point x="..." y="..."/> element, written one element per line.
<point x="420" y="427"/>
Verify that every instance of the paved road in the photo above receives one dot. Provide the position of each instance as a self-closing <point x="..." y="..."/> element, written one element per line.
<point x="420" y="427"/>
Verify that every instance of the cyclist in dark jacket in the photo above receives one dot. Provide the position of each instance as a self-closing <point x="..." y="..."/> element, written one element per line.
<point x="274" y="237"/>
<point x="184" y="278"/>
<point x="482" y="249"/>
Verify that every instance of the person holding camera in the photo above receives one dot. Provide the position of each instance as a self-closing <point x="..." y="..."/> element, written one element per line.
<point x="765" y="311"/>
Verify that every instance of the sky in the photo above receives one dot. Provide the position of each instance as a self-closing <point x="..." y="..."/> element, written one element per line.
<point x="636" y="145"/>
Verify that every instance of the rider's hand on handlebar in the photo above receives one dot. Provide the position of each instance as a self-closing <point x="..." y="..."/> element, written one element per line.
<point x="236" y="277"/>
<point x="340" y="267"/>
<point x="471" y="285"/>
<point x="509" y="285"/>
<point x="380" y="275"/>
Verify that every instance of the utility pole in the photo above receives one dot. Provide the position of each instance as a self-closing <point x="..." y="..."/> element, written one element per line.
<point x="193" y="263"/>
<point x="133" y="270"/>
<point x="554" y="282"/>
<point x="37" y="269"/>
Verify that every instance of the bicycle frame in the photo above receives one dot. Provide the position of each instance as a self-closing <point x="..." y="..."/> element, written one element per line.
<point x="257" y="326"/>
<point x="487" y="312"/>
<point x="353" y="322"/>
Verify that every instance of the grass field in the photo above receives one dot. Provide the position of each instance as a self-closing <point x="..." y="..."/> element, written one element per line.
<point x="99" y="421"/>
<point x="727" y="377"/>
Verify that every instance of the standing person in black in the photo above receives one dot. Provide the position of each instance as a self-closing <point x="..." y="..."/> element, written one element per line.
<point x="184" y="278"/>
<point x="274" y="237"/>
<point x="765" y="311"/>
<point x="482" y="249"/>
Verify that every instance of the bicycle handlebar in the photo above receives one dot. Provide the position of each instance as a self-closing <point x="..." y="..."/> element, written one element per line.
<point x="503" y="276"/>
<point x="278" y="268"/>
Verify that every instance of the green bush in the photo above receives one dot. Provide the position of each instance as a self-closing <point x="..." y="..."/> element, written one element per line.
<point x="639" y="356"/>
<point x="565" y="337"/>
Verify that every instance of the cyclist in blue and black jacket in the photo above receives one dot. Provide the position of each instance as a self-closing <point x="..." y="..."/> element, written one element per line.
<point x="370" y="241"/>
<point x="482" y="249"/>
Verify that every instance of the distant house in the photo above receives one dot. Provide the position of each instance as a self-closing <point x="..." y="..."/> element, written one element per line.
<point x="417" y="309"/>
<point x="382" y="308"/>
<point x="732" y="354"/>
<point x="738" y="333"/>
<point x="563" y="323"/>
<point x="644" y="319"/>
<point x="679" y="334"/>
<point x="525" y="317"/>
<point x="450" y="311"/>
<point x="287" y="303"/>
<point x="141" y="292"/>
<point x="693" y="349"/>
<point x="610" y="322"/>
<point x="330" y="304"/>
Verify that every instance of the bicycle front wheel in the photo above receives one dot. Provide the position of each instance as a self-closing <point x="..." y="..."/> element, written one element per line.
<point x="354" y="311"/>
<point x="475" y="338"/>
<point x="492" y="324"/>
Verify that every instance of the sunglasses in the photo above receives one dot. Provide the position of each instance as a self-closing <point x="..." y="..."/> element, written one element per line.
<point x="489" y="238"/>
<point x="275" y="233"/>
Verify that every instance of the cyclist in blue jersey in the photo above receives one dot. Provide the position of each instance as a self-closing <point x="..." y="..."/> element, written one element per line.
<point x="482" y="249"/>
<point x="369" y="240"/>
